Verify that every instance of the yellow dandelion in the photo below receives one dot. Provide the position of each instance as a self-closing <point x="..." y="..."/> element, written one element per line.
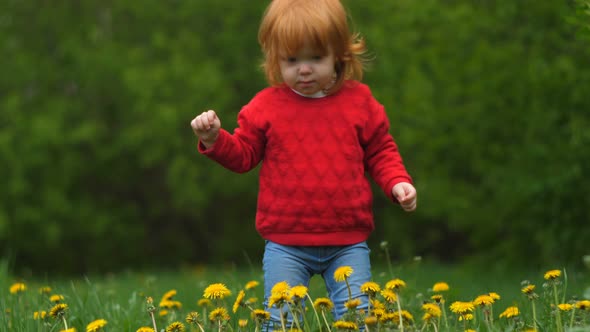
<point x="379" y="312"/>
<point x="427" y="317"/>
<point x="39" y="315"/>
<point x="163" y="313"/>
<point x="260" y="315"/>
<point x="552" y="274"/>
<point x="510" y="312"/>
<point x="565" y="306"/>
<point x="71" y="329"/>
<point x="528" y="289"/>
<point x="440" y="286"/>
<point x="323" y="304"/>
<point x="58" y="310"/>
<point x="193" y="318"/>
<point x="168" y="295"/>
<point x="483" y="300"/>
<point x="389" y="295"/>
<point x="170" y="304"/>
<point x="299" y="292"/>
<point x="437" y="298"/>
<point x="204" y="303"/>
<point x="18" y="287"/>
<point x="56" y="298"/>
<point x="239" y="301"/>
<point x="251" y="284"/>
<point x="371" y="320"/>
<point x="395" y="284"/>
<point x="370" y="288"/>
<point x="242" y="323"/>
<point x="96" y="325"/>
<point x="462" y="308"/>
<point x="432" y="308"/>
<point x="252" y="300"/>
<point x="145" y="329"/>
<point x="216" y="291"/>
<point x="219" y="314"/>
<point x="583" y="305"/>
<point x="470" y="330"/>
<point x="45" y="290"/>
<point x="494" y="296"/>
<point x="465" y="317"/>
<point x="352" y="304"/>
<point x="278" y="299"/>
<point x="342" y="273"/>
<point x="281" y="287"/>
<point x="377" y="304"/>
<point x="175" y="327"/>
<point x="345" y="325"/>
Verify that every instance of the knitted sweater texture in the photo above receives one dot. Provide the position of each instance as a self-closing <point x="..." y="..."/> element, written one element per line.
<point x="315" y="154"/>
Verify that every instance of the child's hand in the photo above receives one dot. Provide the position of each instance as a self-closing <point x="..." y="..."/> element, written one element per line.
<point x="206" y="127"/>
<point x="406" y="195"/>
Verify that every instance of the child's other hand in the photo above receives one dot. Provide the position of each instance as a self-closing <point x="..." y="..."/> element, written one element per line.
<point x="405" y="194"/>
<point x="206" y="127"/>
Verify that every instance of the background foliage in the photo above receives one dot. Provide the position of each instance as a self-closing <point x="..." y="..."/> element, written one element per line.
<point x="489" y="102"/>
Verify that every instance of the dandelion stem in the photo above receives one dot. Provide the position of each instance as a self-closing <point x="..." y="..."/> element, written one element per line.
<point x="572" y="318"/>
<point x="399" y="312"/>
<point x="348" y="288"/>
<point x="534" y="316"/>
<point x="557" y="313"/>
<point x="444" y="311"/>
<point x="326" y="321"/>
<point x="63" y="318"/>
<point x="282" y="318"/>
<point x="435" y="328"/>
<point x="314" y="311"/>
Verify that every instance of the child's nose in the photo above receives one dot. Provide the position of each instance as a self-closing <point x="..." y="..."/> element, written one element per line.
<point x="304" y="68"/>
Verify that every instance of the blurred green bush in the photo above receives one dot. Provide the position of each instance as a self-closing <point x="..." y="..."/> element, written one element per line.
<point x="489" y="103"/>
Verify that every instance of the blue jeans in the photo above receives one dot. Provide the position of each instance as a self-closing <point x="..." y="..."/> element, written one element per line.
<point x="296" y="265"/>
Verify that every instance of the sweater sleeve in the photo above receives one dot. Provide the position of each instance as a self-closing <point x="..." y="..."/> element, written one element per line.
<point x="244" y="149"/>
<point x="382" y="158"/>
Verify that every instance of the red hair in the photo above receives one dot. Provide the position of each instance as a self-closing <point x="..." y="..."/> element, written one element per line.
<point x="288" y="24"/>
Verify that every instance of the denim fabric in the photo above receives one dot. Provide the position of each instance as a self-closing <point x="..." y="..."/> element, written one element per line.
<point x="296" y="265"/>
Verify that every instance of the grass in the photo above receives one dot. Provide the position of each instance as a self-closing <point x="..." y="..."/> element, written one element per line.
<point x="120" y="299"/>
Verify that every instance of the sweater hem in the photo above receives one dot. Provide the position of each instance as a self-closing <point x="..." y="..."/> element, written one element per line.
<point x="318" y="239"/>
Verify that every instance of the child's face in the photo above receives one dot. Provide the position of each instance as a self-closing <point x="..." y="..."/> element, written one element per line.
<point x="308" y="71"/>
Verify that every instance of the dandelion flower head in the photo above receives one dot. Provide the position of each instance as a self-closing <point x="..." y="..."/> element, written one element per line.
<point x="323" y="303"/>
<point x="583" y="305"/>
<point x="483" y="300"/>
<point x="389" y="295"/>
<point x="145" y="329"/>
<point x="216" y="291"/>
<point x="352" y="304"/>
<point x="462" y="308"/>
<point x="346" y="325"/>
<point x="494" y="296"/>
<point x="239" y="301"/>
<point x="432" y="309"/>
<point x="18" y="287"/>
<point x="96" y="325"/>
<point x="251" y="284"/>
<point x="528" y="289"/>
<point x="58" y="310"/>
<point x="370" y="288"/>
<point x="299" y="291"/>
<point x="510" y="312"/>
<point x="565" y="306"/>
<point x="175" y="327"/>
<point x="169" y="295"/>
<point x="342" y="273"/>
<point x="552" y="274"/>
<point x="281" y="287"/>
<point x="440" y="287"/>
<point x="56" y="298"/>
<point x="260" y="315"/>
<point x="45" y="290"/>
<point x="395" y="284"/>
<point x="219" y="314"/>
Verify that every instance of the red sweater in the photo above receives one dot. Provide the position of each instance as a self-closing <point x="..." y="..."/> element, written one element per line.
<point x="315" y="152"/>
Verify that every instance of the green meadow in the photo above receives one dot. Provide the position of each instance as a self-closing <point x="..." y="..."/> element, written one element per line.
<point x="120" y="301"/>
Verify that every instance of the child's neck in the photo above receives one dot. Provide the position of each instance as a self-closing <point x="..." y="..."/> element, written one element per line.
<point x="319" y="94"/>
